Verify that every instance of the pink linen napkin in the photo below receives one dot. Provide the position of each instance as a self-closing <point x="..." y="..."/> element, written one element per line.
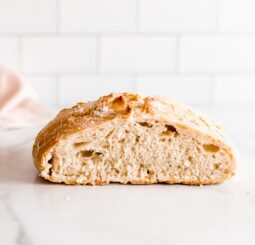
<point x="18" y="103"/>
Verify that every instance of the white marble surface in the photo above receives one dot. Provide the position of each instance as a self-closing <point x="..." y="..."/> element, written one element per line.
<point x="33" y="211"/>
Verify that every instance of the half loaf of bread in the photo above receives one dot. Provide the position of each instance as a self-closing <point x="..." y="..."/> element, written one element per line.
<point x="127" y="138"/>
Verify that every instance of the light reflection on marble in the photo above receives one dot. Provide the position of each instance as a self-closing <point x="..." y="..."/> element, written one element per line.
<point x="33" y="211"/>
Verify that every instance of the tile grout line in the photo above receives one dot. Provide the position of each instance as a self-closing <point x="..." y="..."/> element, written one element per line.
<point x="177" y="54"/>
<point x="130" y="34"/>
<point x="218" y="9"/>
<point x="212" y="91"/>
<point x="58" y="18"/>
<point x="160" y="74"/>
<point x="137" y="21"/>
<point x="98" y="55"/>
<point x="57" y="90"/>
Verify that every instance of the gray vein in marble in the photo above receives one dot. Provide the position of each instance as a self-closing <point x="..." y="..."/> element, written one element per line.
<point x="21" y="238"/>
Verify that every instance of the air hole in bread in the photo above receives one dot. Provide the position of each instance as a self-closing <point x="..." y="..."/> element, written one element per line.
<point x="79" y="144"/>
<point x="50" y="169"/>
<point x="150" y="172"/>
<point x="86" y="153"/>
<point x="98" y="153"/>
<point x="190" y="159"/>
<point x="116" y="171"/>
<point x="176" y="134"/>
<point x="216" y="165"/>
<point x="50" y="160"/>
<point x="166" y="133"/>
<point x="170" y="130"/>
<point x="137" y="139"/>
<point x="122" y="141"/>
<point x="145" y="124"/>
<point x="211" y="148"/>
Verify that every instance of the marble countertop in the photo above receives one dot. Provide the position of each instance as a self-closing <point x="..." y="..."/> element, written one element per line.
<point x="36" y="212"/>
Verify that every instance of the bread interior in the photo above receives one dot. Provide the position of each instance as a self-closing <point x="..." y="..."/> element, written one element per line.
<point x="142" y="152"/>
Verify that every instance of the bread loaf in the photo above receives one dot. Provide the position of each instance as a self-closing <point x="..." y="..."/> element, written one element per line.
<point x="128" y="138"/>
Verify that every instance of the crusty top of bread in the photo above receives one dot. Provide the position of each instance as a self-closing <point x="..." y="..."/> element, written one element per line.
<point x="125" y="105"/>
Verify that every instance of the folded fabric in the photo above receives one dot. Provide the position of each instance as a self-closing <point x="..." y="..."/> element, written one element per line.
<point x="18" y="103"/>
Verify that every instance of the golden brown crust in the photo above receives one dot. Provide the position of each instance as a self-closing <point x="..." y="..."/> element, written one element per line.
<point x="125" y="105"/>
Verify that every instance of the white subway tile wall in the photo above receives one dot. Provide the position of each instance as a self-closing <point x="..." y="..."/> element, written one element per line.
<point x="198" y="52"/>
<point x="137" y="54"/>
<point x="187" y="89"/>
<point x="59" y="54"/>
<point x="237" y="15"/>
<point x="234" y="89"/>
<point x="98" y="16"/>
<point x="28" y="16"/>
<point x="178" y="16"/>
<point x="213" y="54"/>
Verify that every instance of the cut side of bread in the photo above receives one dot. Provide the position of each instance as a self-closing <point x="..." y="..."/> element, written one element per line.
<point x="127" y="138"/>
